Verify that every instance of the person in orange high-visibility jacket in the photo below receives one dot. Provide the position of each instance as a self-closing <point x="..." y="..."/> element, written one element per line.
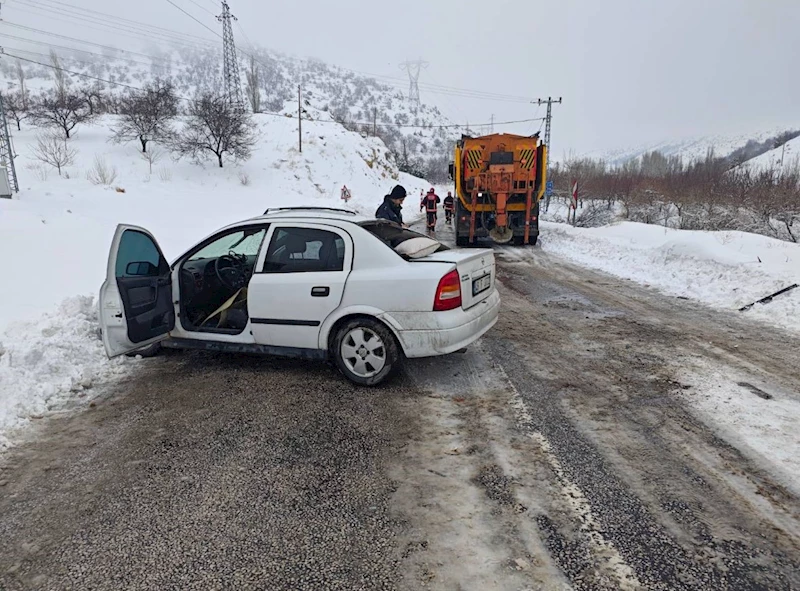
<point x="430" y="203"/>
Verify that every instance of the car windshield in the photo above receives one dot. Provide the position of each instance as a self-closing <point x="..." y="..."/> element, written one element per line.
<point x="393" y="235"/>
<point x="244" y="242"/>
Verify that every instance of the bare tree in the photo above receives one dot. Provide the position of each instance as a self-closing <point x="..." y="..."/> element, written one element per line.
<point x="146" y="115"/>
<point x="217" y="127"/>
<point x="252" y="89"/>
<point x="52" y="149"/>
<point x="93" y="95"/>
<point x="64" y="112"/>
<point x="14" y="104"/>
<point x="59" y="75"/>
<point x="152" y="157"/>
<point x="20" y="73"/>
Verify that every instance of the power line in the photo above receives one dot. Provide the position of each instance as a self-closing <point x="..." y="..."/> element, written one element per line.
<point x="202" y="7"/>
<point x="65" y="48"/>
<point x="50" y="5"/>
<point x="129" y="32"/>
<point x="195" y="19"/>
<point x="59" y="36"/>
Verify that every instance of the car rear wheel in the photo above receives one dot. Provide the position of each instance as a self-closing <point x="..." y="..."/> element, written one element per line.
<point x="365" y="351"/>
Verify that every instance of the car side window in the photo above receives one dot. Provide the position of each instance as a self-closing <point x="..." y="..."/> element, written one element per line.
<point x="138" y="256"/>
<point x="304" y="250"/>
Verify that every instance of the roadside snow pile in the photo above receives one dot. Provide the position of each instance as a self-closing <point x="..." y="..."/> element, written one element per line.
<point x="44" y="364"/>
<point x="722" y="269"/>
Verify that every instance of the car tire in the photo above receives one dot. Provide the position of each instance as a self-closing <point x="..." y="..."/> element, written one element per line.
<point x="148" y="351"/>
<point x="365" y="351"/>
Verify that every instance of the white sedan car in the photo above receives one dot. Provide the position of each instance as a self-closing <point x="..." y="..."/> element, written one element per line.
<point x="301" y="282"/>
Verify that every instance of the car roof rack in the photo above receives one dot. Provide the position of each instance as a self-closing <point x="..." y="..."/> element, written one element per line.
<point x="310" y="208"/>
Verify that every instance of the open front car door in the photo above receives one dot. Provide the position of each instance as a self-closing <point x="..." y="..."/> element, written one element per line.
<point x="135" y="305"/>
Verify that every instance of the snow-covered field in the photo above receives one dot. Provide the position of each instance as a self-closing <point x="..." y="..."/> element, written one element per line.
<point x="725" y="270"/>
<point x="56" y="235"/>
<point x="722" y="269"/>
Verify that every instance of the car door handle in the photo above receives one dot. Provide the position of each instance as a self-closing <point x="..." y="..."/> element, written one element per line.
<point x="320" y="292"/>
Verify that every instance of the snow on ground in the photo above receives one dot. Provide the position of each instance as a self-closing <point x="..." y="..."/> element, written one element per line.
<point x="766" y="430"/>
<point x="57" y="232"/>
<point x="722" y="269"/>
<point x="727" y="269"/>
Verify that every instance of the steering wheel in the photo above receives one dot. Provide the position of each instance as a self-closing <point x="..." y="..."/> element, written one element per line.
<point x="230" y="271"/>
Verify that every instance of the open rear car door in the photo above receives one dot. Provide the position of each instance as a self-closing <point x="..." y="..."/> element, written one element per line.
<point x="136" y="307"/>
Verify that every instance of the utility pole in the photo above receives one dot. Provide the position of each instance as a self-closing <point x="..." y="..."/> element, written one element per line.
<point x="549" y="102"/>
<point x="6" y="155"/>
<point x="413" y="69"/>
<point x="491" y="128"/>
<point x="299" y="121"/>
<point x="233" y="84"/>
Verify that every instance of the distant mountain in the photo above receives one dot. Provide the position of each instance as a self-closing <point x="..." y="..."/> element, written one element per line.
<point x="740" y="147"/>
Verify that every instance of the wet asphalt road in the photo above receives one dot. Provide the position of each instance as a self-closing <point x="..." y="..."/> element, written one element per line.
<point x="557" y="453"/>
<point x="244" y="474"/>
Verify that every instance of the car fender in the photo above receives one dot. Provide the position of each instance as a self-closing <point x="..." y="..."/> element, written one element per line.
<point x="338" y="314"/>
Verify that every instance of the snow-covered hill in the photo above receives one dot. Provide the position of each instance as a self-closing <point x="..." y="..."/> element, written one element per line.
<point x="785" y="157"/>
<point x="353" y="99"/>
<point x="693" y="149"/>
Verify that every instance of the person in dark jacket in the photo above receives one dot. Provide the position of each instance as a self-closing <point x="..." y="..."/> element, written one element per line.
<point x="449" y="207"/>
<point x="392" y="205"/>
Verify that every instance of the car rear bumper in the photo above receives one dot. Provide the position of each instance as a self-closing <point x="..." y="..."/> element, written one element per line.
<point x="440" y="333"/>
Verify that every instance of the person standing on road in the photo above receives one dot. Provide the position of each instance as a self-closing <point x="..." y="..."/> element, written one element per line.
<point x="449" y="207"/>
<point x="392" y="205"/>
<point x="429" y="204"/>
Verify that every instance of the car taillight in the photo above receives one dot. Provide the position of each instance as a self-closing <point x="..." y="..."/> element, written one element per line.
<point x="448" y="293"/>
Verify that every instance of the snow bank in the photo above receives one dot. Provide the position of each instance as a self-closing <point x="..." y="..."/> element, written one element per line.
<point x="722" y="269"/>
<point x="46" y="363"/>
<point x="56" y="234"/>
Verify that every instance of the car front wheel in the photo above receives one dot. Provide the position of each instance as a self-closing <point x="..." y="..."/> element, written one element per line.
<point x="365" y="351"/>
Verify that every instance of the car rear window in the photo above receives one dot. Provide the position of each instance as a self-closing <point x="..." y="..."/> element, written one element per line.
<point x="393" y="235"/>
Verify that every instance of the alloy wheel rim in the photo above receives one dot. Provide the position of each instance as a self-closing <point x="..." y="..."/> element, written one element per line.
<point x="363" y="352"/>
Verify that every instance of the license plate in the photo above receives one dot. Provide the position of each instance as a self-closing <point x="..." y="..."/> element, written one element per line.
<point x="481" y="284"/>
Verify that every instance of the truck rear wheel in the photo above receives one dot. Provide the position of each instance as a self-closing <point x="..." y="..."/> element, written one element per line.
<point x="462" y="240"/>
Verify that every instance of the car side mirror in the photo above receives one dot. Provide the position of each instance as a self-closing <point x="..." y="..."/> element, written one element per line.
<point x="141" y="269"/>
<point x="450" y="171"/>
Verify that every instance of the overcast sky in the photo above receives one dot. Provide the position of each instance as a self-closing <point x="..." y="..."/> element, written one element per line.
<point x="629" y="71"/>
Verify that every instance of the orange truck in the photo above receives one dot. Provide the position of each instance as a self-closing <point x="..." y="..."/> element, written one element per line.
<point x="499" y="179"/>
